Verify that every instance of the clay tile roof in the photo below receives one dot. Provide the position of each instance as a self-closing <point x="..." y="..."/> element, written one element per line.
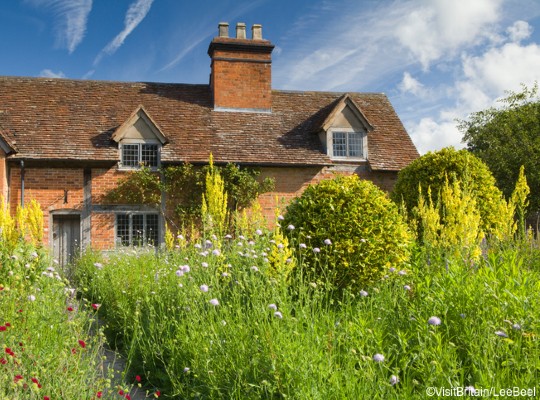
<point x="75" y="119"/>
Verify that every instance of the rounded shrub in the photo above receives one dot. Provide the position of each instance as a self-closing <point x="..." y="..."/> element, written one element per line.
<point x="352" y="230"/>
<point x="431" y="171"/>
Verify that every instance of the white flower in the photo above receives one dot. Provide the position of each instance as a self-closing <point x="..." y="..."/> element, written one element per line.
<point x="378" y="357"/>
<point x="407" y="287"/>
<point x="34" y="254"/>
<point x="394" y="380"/>
<point x="303" y="245"/>
<point x="204" y="264"/>
<point x="327" y="242"/>
<point x="316" y="250"/>
<point x="186" y="370"/>
<point x="179" y="273"/>
<point x="216" y="252"/>
<point x="272" y="307"/>
<point x="402" y="272"/>
<point x="180" y="237"/>
<point x="228" y="236"/>
<point x="32" y="297"/>
<point x="242" y="237"/>
<point x="516" y="326"/>
<point x="204" y="288"/>
<point x="280" y="246"/>
<point x="392" y="269"/>
<point x="280" y="217"/>
<point x="501" y="334"/>
<point x="224" y="274"/>
<point x="290" y="227"/>
<point x="214" y="302"/>
<point x="185" y="268"/>
<point x="363" y="293"/>
<point x="258" y="232"/>
<point x="254" y="268"/>
<point x="279" y="315"/>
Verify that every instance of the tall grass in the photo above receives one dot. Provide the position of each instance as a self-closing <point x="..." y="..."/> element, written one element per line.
<point x="47" y="348"/>
<point x="199" y="322"/>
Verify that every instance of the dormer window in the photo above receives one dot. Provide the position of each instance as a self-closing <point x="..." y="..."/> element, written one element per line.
<point x="135" y="155"/>
<point x="348" y="144"/>
<point x="344" y="133"/>
<point x="139" y="141"/>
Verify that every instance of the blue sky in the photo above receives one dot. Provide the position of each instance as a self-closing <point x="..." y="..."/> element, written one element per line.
<point x="437" y="60"/>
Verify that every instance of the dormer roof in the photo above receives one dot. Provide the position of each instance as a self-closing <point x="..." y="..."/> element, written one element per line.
<point x="139" y="125"/>
<point x="344" y="104"/>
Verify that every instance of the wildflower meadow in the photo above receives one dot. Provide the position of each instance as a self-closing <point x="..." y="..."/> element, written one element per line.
<point x="239" y="310"/>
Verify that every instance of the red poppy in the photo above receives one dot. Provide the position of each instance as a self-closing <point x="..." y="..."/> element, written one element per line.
<point x="96" y="306"/>
<point x="158" y="393"/>
<point x="82" y="343"/>
<point x="46" y="398"/>
<point x="70" y="308"/>
<point x="121" y="392"/>
<point x="17" y="378"/>
<point x="3" y="361"/>
<point x="3" y="328"/>
<point x="73" y="351"/>
<point x="98" y="395"/>
<point x="138" y="378"/>
<point x="128" y="397"/>
<point x="8" y="324"/>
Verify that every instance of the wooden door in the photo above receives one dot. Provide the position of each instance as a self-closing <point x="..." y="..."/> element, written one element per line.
<point x="66" y="237"/>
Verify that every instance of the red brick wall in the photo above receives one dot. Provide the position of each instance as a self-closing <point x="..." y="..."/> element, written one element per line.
<point x="238" y="84"/>
<point x="47" y="185"/>
<point x="291" y="182"/>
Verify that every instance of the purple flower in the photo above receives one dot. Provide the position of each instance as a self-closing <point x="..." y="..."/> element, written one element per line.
<point x="327" y="242"/>
<point x="272" y="307"/>
<point x="179" y="273"/>
<point x="501" y="334"/>
<point x="363" y="293"/>
<point x="434" y="321"/>
<point x="280" y="217"/>
<point x="214" y="302"/>
<point x="98" y="265"/>
<point x="303" y="245"/>
<point x="204" y="265"/>
<point x="279" y="315"/>
<point x="407" y="287"/>
<point x="392" y="269"/>
<point x="185" y="268"/>
<point x="316" y="250"/>
<point x="290" y="227"/>
<point x="402" y="273"/>
<point x="378" y="357"/>
<point x="254" y="269"/>
<point x="258" y="232"/>
<point x="204" y="288"/>
<point x="216" y="252"/>
<point x="394" y="380"/>
<point x="516" y="326"/>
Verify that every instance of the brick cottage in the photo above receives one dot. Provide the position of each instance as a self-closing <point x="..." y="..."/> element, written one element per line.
<point x="67" y="142"/>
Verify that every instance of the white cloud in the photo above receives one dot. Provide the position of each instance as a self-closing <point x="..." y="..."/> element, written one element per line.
<point x="72" y="18"/>
<point x="410" y="85"/>
<point x="47" y="73"/>
<point x="519" y="31"/>
<point x="429" y="134"/>
<point x="442" y="27"/>
<point x="136" y="13"/>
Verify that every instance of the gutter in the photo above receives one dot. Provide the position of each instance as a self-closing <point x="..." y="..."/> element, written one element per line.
<point x="22" y="183"/>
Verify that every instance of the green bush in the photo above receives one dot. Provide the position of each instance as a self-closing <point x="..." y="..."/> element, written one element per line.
<point x="367" y="234"/>
<point x="431" y="171"/>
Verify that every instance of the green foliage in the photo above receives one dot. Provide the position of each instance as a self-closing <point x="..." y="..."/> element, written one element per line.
<point x="367" y="232"/>
<point x="319" y="346"/>
<point x="141" y="186"/>
<point x="519" y="200"/>
<point x="214" y="202"/>
<point x="184" y="185"/>
<point x="452" y="226"/>
<point x="431" y="172"/>
<point x="506" y="138"/>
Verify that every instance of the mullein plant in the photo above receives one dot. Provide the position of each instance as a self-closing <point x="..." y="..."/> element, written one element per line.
<point x="214" y="203"/>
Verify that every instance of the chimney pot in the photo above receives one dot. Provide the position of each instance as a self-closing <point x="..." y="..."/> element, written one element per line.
<point x="256" y="32"/>
<point x="240" y="30"/>
<point x="223" y="29"/>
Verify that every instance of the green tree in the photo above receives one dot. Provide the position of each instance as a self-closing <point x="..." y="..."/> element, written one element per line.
<point x="506" y="138"/>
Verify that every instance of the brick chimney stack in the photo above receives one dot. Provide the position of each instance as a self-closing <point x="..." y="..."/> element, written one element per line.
<point x="241" y="78"/>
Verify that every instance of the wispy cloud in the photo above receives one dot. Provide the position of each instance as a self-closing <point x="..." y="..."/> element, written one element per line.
<point x="136" y="13"/>
<point x="208" y="28"/>
<point x="72" y="17"/>
<point x="47" y="73"/>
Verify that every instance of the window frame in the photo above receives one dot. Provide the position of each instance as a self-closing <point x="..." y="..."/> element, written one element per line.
<point x="140" y="143"/>
<point x="130" y="214"/>
<point x="347" y="131"/>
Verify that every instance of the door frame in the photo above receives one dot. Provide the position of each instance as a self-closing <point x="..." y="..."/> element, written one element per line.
<point x="64" y="212"/>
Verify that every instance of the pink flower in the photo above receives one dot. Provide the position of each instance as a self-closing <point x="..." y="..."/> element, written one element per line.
<point x="96" y="306"/>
